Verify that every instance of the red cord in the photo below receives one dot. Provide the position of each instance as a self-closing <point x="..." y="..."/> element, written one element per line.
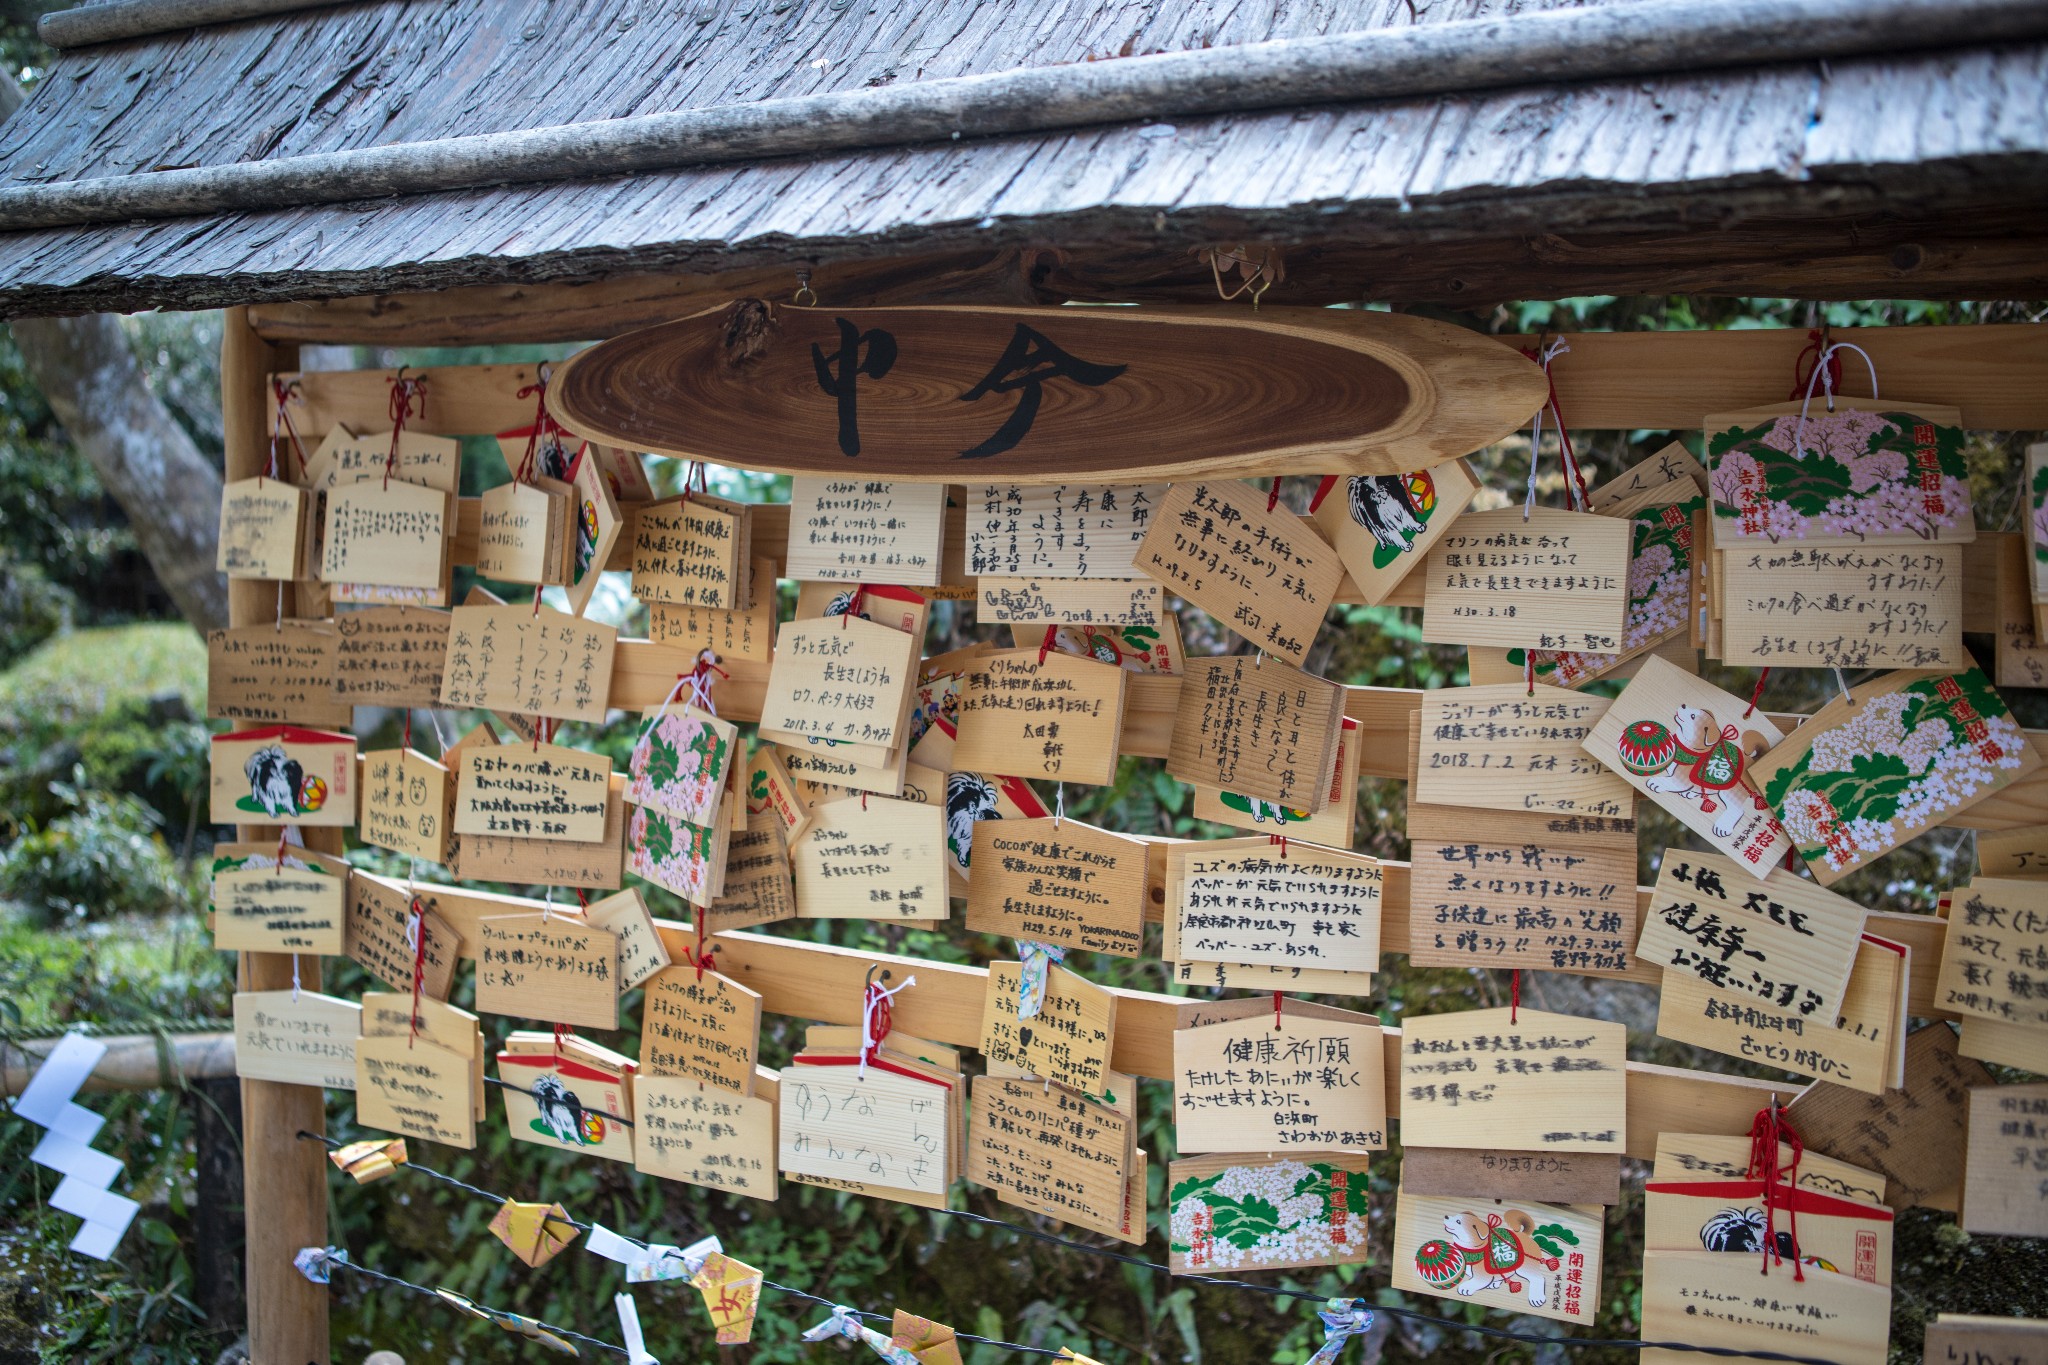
<point x="1273" y="494"/>
<point x="1515" y="997"/>
<point x="1756" y="693"/>
<point x="1276" y="1011"/>
<point x="1045" y="646"/>
<point x="1315" y="504"/>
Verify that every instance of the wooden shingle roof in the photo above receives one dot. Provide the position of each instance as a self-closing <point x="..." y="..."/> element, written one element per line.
<point x="1928" y="164"/>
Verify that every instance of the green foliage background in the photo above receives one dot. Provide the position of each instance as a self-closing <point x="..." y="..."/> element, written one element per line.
<point x="102" y="766"/>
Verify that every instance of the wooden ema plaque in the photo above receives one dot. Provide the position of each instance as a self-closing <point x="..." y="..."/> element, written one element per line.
<point x="641" y="951"/>
<point x="408" y="803"/>
<point x="541" y="791"/>
<point x="731" y="635"/>
<point x="1559" y="1177"/>
<point x="1068" y="1041"/>
<point x="1383" y="525"/>
<point x="552" y="967"/>
<point x="388" y="536"/>
<point x="595" y="525"/>
<point x="2005" y="1173"/>
<point x="1259" y="569"/>
<point x="1693" y="749"/>
<point x="266" y="530"/>
<point x="1966" y="1339"/>
<point x="378" y="910"/>
<point x="1558" y="580"/>
<point x="1787" y="945"/>
<point x="522" y="532"/>
<point x="1330" y="826"/>
<point x="1069" y="602"/>
<point x="345" y="458"/>
<point x="1047" y="395"/>
<point x="856" y="530"/>
<point x="390" y="656"/>
<point x="885" y="1130"/>
<point x="1842" y="1236"/>
<point x="427" y="1022"/>
<point x="1899" y="755"/>
<point x="1817" y="606"/>
<point x="1915" y="1134"/>
<point x="1711" y="1298"/>
<point x="1307" y="1084"/>
<point x="715" y="1138"/>
<point x="1214" y="1227"/>
<point x="1524" y="1081"/>
<point x="307" y="1041"/>
<point x="1493" y="889"/>
<point x="759" y="888"/>
<point x="1862" y="1050"/>
<point x="1059" y="882"/>
<point x="1058" y="531"/>
<point x="568" y="1101"/>
<point x="1884" y="475"/>
<point x="701" y="1027"/>
<point x="843" y="682"/>
<point x="1267" y="730"/>
<point x="280" y="674"/>
<point x="692" y="551"/>
<point x="1510" y="747"/>
<point x="282" y="774"/>
<point x="529" y="663"/>
<point x="1050" y="1148"/>
<point x="1526" y="1257"/>
<point x="1712" y="1156"/>
<point x="2013" y="1045"/>
<point x="1028" y="713"/>
<point x="1673" y="462"/>
<point x="417" y="1089"/>
<point x="1994" y="964"/>
<point x="1251" y="902"/>
<point x="261" y="907"/>
<point x="592" y="866"/>
<point x="872" y="857"/>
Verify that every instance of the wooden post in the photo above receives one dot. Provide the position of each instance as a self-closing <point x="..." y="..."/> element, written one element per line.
<point x="284" y="1184"/>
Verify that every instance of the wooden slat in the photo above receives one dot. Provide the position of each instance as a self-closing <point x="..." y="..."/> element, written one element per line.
<point x="1606" y="381"/>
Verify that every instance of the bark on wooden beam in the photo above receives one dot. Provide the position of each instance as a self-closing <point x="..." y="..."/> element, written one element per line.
<point x="121" y="19"/>
<point x="1625" y="40"/>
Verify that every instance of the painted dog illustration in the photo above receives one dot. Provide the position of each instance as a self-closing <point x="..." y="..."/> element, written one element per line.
<point x="275" y="780"/>
<point x="560" y="1110"/>
<point x="1694" y="759"/>
<point x="1498" y="1251"/>
<point x="1379" y="503"/>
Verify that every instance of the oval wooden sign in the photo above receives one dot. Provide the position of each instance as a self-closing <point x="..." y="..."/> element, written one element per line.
<point x="1044" y="395"/>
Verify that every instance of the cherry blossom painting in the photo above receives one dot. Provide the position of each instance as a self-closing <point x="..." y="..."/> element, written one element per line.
<point x="1856" y="475"/>
<point x="1904" y="753"/>
<point x="680" y="764"/>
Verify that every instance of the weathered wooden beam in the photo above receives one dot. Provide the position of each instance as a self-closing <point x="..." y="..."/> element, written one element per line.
<point x="1614" y="41"/>
<point x="115" y="20"/>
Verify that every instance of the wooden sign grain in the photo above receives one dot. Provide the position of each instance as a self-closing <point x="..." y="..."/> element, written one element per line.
<point x="1309" y="1084"/>
<point x="2005" y="1173"/>
<point x="1524" y="1080"/>
<point x="885" y="1130"/>
<point x="1251" y="902"/>
<point x="1059" y="882"/>
<point x="1490" y="888"/>
<point x="715" y="1138"/>
<point x="266" y="530"/>
<point x="1557" y="580"/>
<point x="555" y="968"/>
<point x="1694" y="750"/>
<point x="843" y="682"/>
<point x="1710" y="1298"/>
<point x="1027" y="713"/>
<point x="307" y="1040"/>
<point x="1266" y="730"/>
<point x="261" y="907"/>
<point x="1514" y="748"/>
<point x="1260" y="570"/>
<point x="1789" y="945"/>
<point x="1068" y="1041"/>
<point x="1843" y="607"/>
<point x="1048" y="395"/>
<point x="1914" y="1134"/>
<point x="703" y="1027"/>
<point x="1947" y="741"/>
<point x="378" y="912"/>
<point x="1968" y="1339"/>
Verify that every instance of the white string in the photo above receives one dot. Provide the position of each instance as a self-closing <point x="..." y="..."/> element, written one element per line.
<point x="699" y="681"/>
<point x="1843" y="683"/>
<point x="870" y="997"/>
<point x="547" y="907"/>
<point x="295" y="978"/>
<point x="280" y="606"/>
<point x="1059" y="805"/>
<point x="439" y="734"/>
<point x="413" y="917"/>
<point x="1821" y="376"/>
<point x="1550" y="353"/>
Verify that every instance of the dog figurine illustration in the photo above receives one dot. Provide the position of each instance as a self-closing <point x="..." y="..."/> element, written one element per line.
<point x="275" y="780"/>
<point x="1494" y="1252"/>
<point x="1695" y="759"/>
<point x="560" y="1110"/>
<point x="1379" y="503"/>
<point x="969" y="797"/>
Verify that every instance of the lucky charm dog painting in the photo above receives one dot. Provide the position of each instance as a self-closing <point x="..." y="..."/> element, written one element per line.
<point x="1542" y="1259"/>
<point x="283" y="775"/>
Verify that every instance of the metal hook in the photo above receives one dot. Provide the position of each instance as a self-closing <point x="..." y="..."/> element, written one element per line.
<point x="803" y="287"/>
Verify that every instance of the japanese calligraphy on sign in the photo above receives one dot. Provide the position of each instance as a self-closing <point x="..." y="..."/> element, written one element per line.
<point x="1995" y="961"/>
<point x="532" y="663"/>
<point x="1557" y="580"/>
<point x="1067" y="530"/>
<point x="1514" y="747"/>
<point x="1524" y="1080"/>
<point x="1311" y="1084"/>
